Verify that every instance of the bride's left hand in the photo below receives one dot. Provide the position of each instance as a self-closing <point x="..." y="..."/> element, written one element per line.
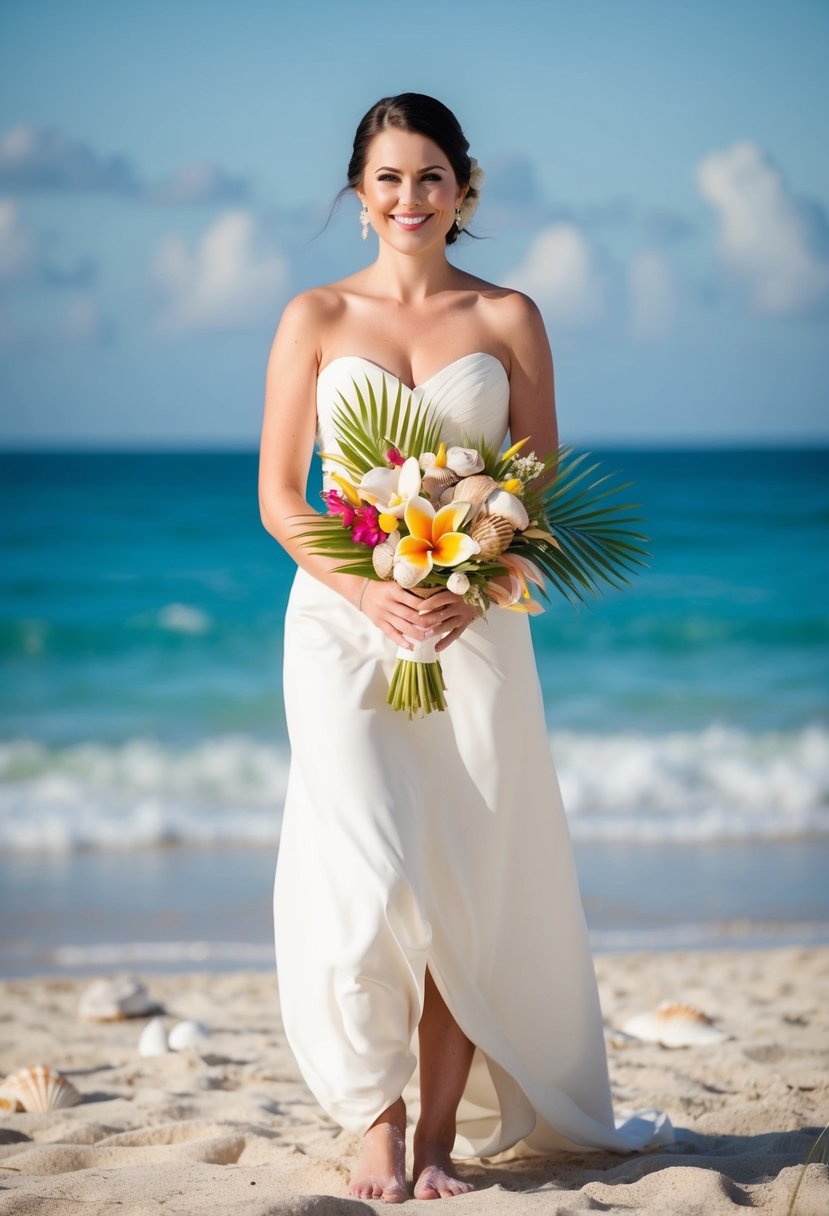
<point x="447" y="611"/>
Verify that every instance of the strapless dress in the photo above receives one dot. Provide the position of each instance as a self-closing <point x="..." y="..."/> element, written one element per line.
<point x="438" y="842"/>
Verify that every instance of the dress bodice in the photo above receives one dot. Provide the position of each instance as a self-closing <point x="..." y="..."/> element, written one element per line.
<point x="470" y="395"/>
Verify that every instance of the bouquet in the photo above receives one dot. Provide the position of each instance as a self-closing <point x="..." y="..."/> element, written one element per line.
<point x="429" y="515"/>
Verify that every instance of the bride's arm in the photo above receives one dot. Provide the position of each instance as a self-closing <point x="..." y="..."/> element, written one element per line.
<point x="532" y="403"/>
<point x="287" y="442"/>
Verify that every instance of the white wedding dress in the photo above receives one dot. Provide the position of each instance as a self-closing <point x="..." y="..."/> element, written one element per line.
<point x="436" y="842"/>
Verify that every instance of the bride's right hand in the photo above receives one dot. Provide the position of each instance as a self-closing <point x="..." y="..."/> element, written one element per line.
<point x="394" y="610"/>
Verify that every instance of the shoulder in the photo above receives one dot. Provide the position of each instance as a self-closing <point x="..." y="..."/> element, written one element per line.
<point x="316" y="306"/>
<point x="511" y="316"/>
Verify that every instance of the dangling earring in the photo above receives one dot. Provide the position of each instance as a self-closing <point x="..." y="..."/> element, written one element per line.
<point x="458" y="219"/>
<point x="364" y="221"/>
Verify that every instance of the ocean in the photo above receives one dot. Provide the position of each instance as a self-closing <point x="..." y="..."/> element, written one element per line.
<point x="143" y="751"/>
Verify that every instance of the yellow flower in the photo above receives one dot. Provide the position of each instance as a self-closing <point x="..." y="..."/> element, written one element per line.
<point x="433" y="540"/>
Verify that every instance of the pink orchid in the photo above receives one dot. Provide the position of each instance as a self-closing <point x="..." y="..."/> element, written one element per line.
<point x="366" y="529"/>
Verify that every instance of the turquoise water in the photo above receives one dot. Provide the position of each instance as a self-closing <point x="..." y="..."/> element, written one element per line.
<point x="141" y="604"/>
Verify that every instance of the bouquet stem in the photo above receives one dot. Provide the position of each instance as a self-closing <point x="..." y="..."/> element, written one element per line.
<point x="417" y="683"/>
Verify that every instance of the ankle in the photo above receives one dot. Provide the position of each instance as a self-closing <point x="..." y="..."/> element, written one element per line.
<point x="433" y="1141"/>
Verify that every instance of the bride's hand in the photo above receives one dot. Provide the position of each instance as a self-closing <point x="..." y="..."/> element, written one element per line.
<point x="447" y="611"/>
<point x="396" y="611"/>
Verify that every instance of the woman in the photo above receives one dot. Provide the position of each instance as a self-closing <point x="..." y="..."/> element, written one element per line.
<point x="426" y="906"/>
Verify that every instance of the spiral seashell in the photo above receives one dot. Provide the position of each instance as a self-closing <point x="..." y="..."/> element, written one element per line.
<point x="39" y="1088"/>
<point x="474" y="489"/>
<point x="464" y="461"/>
<point x="493" y="533"/>
<point x="111" y="1000"/>
<point x="674" y="1024"/>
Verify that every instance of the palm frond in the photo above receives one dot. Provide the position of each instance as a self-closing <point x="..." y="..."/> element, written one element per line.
<point x="367" y="428"/>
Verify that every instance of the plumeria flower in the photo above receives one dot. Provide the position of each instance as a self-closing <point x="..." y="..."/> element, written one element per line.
<point x="390" y="489"/>
<point x="434" y="539"/>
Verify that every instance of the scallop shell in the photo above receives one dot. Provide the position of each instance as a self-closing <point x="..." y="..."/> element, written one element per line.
<point x="153" y="1039"/>
<point x="38" y="1088"/>
<point x="188" y="1033"/>
<point x="675" y="1024"/>
<point x="111" y="1000"/>
<point x="493" y="533"/>
<point x="382" y="559"/>
<point x="474" y="489"/>
<point x="406" y="576"/>
<point x="436" y="480"/>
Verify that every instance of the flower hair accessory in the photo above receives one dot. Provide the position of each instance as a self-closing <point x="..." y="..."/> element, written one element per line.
<point x="469" y="205"/>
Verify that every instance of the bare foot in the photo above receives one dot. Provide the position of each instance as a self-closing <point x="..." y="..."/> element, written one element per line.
<point x="380" y="1172"/>
<point x="435" y="1177"/>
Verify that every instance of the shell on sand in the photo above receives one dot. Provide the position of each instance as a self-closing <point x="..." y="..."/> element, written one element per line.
<point x="112" y="999"/>
<point x="153" y="1039"/>
<point x="38" y="1088"/>
<point x="188" y="1033"/>
<point x="674" y="1024"/>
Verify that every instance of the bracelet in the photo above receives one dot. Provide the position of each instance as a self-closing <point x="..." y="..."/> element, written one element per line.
<point x="362" y="593"/>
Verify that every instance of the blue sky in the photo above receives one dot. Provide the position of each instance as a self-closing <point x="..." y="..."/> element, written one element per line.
<point x="656" y="179"/>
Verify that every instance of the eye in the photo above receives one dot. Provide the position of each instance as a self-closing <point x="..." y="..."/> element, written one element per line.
<point x="387" y="177"/>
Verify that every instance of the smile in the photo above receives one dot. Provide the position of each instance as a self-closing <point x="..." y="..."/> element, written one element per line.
<point x="410" y="221"/>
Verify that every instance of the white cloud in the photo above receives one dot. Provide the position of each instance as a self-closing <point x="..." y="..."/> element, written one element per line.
<point x="34" y="157"/>
<point x="777" y="241"/>
<point x="199" y="182"/>
<point x="230" y="281"/>
<point x="561" y="274"/>
<point x="19" y="257"/>
<point x="652" y="295"/>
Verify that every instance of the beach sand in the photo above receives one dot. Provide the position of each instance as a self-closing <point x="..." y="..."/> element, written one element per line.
<point x="233" y="1129"/>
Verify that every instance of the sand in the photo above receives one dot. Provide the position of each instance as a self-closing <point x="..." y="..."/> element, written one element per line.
<point x="233" y="1128"/>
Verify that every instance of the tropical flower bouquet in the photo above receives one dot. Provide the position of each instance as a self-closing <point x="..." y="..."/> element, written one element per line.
<point x="430" y="516"/>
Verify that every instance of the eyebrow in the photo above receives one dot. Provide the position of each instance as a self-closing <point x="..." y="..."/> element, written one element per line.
<point x="389" y="169"/>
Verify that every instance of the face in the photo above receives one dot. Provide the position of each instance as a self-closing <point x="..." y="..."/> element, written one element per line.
<point x="410" y="190"/>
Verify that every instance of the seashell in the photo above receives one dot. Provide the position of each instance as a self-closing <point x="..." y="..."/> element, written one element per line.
<point x="474" y="489"/>
<point x="153" y="1039"/>
<point x="437" y="479"/>
<point x="493" y="533"/>
<point x="188" y="1034"/>
<point x="457" y="582"/>
<point x="501" y="502"/>
<point x="464" y="461"/>
<point x="111" y="1000"/>
<point x="382" y="558"/>
<point x="39" y="1088"/>
<point x="407" y="576"/>
<point x="674" y="1024"/>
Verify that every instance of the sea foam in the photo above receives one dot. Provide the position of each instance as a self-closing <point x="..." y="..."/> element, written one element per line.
<point x="716" y="784"/>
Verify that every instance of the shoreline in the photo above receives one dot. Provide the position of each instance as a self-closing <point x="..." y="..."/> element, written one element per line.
<point x="171" y="1130"/>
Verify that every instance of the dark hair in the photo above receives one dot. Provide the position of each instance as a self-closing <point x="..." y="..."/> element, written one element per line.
<point x="425" y="116"/>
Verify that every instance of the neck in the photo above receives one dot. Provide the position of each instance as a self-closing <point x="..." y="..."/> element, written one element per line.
<point x="408" y="278"/>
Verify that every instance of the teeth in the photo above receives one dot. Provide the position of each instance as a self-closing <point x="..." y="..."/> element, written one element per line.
<point x="411" y="221"/>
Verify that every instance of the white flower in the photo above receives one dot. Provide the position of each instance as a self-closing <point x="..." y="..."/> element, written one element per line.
<point x="464" y="461"/>
<point x="476" y="181"/>
<point x="457" y="583"/>
<point x="390" y="489"/>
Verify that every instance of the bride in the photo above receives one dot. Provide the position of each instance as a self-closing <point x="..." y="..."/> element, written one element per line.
<point x="427" y="915"/>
